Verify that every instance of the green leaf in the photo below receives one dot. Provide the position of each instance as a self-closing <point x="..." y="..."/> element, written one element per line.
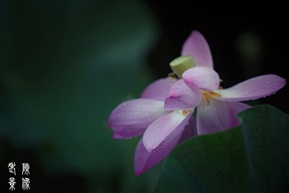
<point x="253" y="157"/>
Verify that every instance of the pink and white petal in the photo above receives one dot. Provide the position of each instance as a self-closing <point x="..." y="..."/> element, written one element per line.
<point x="197" y="46"/>
<point x="253" y="88"/>
<point x="131" y="118"/>
<point x="182" y="97"/>
<point x="218" y="116"/>
<point x="202" y="78"/>
<point x="159" y="89"/>
<point x="144" y="159"/>
<point x="165" y="129"/>
<point x="190" y="130"/>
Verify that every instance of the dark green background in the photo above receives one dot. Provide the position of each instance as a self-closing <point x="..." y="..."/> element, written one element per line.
<point x="66" y="64"/>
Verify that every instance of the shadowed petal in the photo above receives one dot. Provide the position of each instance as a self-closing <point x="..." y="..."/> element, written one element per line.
<point x="190" y="130"/>
<point x="202" y="78"/>
<point x="197" y="46"/>
<point x="144" y="159"/>
<point x="253" y="88"/>
<point x="218" y="116"/>
<point x="131" y="118"/>
<point x="159" y="89"/>
<point x="182" y="97"/>
<point x="165" y="129"/>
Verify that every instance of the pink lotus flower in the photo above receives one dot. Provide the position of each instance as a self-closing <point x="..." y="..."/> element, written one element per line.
<point x="164" y="129"/>
<point x="216" y="107"/>
<point x="163" y="113"/>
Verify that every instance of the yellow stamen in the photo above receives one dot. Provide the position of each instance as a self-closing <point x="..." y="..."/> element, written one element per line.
<point x="173" y="76"/>
<point x="184" y="112"/>
<point x="207" y="95"/>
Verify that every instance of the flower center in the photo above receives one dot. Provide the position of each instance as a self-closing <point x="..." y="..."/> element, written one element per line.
<point x="207" y="95"/>
<point x="184" y="112"/>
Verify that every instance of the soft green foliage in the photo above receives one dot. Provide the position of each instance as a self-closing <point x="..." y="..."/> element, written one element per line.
<point x="253" y="157"/>
<point x="67" y="65"/>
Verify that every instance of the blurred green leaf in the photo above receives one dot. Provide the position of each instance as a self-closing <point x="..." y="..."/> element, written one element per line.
<point x="253" y="157"/>
<point x="67" y="65"/>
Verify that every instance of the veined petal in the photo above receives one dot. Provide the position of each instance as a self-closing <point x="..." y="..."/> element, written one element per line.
<point x="218" y="116"/>
<point x="165" y="129"/>
<point x="159" y="89"/>
<point x="253" y="88"/>
<point x="182" y="97"/>
<point x="131" y="118"/>
<point x="197" y="46"/>
<point x="202" y="78"/>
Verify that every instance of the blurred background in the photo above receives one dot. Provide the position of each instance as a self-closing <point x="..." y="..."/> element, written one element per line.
<point x="66" y="64"/>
